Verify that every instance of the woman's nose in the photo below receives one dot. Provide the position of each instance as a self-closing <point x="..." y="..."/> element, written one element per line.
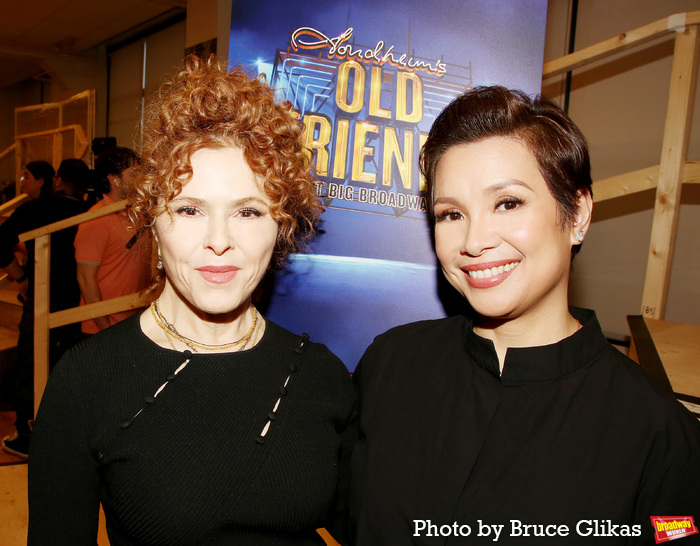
<point x="219" y="236"/>
<point x="478" y="237"/>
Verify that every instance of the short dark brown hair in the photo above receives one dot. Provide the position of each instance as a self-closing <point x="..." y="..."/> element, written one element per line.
<point x="557" y="144"/>
<point x="206" y="106"/>
<point x="75" y="173"/>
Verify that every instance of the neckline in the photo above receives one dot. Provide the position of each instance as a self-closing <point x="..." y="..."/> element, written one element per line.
<point x="268" y="325"/>
<point x="541" y="363"/>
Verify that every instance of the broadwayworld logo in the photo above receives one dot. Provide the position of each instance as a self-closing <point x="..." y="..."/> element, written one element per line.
<point x="672" y="527"/>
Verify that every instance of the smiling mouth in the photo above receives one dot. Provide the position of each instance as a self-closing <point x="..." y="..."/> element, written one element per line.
<point x="491" y="272"/>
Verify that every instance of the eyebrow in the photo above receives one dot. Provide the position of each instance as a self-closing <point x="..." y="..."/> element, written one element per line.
<point x="445" y="201"/>
<point x="201" y="202"/>
<point x="493" y="188"/>
<point x="500" y="186"/>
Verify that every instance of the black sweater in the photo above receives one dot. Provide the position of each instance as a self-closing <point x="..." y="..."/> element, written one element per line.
<point x="192" y="465"/>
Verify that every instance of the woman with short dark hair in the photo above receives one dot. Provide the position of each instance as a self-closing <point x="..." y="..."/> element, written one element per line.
<point x="521" y="413"/>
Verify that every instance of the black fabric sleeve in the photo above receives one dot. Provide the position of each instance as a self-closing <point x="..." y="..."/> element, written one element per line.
<point x="63" y="483"/>
<point x="339" y="525"/>
<point x="9" y="237"/>
<point x="671" y="482"/>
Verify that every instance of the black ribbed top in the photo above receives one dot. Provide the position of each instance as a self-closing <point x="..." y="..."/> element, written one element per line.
<point x="235" y="448"/>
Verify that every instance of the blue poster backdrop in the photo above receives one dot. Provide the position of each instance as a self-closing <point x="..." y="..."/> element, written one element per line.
<point x="368" y="79"/>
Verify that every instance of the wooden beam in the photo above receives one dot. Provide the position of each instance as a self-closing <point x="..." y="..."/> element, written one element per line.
<point x="625" y="184"/>
<point x="673" y="156"/>
<point x="98" y="309"/>
<point x="638" y="181"/>
<point x="621" y="42"/>
<point x="42" y="275"/>
<point x="12" y="204"/>
<point x="7" y="150"/>
<point x="73" y="221"/>
<point x="9" y="48"/>
<point x="608" y="47"/>
<point x="48" y="132"/>
<point x="691" y="172"/>
<point x="4" y="281"/>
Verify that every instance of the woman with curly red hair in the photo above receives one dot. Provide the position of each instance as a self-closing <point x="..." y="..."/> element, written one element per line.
<point x="200" y="421"/>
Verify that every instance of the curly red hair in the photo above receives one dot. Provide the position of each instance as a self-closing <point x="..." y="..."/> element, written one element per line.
<point x="205" y="106"/>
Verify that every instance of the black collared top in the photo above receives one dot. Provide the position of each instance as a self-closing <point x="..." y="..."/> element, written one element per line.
<point x="572" y="434"/>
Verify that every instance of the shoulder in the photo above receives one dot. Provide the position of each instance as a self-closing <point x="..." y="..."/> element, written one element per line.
<point x="302" y="345"/>
<point x="98" y="351"/>
<point x="65" y="207"/>
<point x="97" y="206"/>
<point x="318" y="361"/>
<point x="100" y="204"/>
<point x="25" y="213"/>
<point x="404" y="351"/>
<point x="113" y="366"/>
<point x="645" y="399"/>
<point x="422" y="336"/>
<point x="95" y="228"/>
<point x="429" y="327"/>
<point x="658" y="428"/>
<point x="103" y="359"/>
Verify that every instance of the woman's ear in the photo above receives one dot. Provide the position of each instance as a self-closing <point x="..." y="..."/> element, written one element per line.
<point x="583" y="217"/>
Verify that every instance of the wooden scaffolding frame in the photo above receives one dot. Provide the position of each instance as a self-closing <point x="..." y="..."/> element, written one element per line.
<point x="80" y="135"/>
<point x="44" y="320"/>
<point x="674" y="170"/>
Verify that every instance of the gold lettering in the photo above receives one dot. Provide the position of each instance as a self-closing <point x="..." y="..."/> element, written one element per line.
<point x="320" y="143"/>
<point x="360" y="151"/>
<point x="404" y="79"/>
<point x="391" y="151"/>
<point x="375" y="95"/>
<point x="342" y="91"/>
<point x="341" y="148"/>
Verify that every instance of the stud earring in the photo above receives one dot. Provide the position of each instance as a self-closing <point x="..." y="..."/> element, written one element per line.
<point x="579" y="236"/>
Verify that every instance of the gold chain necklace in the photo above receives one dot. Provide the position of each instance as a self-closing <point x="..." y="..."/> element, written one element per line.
<point x="170" y="329"/>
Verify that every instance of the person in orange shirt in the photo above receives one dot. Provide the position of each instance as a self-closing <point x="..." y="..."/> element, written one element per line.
<point x="113" y="258"/>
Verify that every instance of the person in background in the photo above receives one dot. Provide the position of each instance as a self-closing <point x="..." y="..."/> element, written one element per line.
<point x="199" y="421"/>
<point x="37" y="182"/>
<point x="66" y="200"/>
<point x="114" y="259"/>
<point x="37" y="179"/>
<point x="518" y="412"/>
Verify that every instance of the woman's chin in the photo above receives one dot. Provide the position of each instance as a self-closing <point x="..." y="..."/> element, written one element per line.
<point x="213" y="306"/>
<point x="493" y="310"/>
